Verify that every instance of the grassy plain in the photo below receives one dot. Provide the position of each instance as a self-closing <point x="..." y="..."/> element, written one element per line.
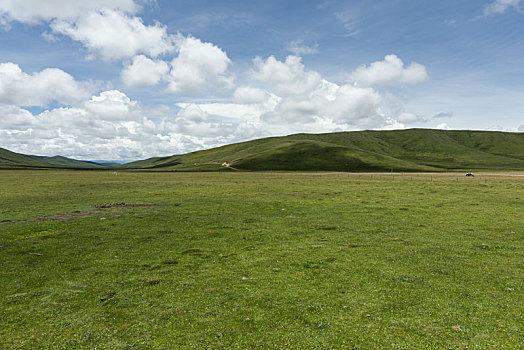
<point x="260" y="261"/>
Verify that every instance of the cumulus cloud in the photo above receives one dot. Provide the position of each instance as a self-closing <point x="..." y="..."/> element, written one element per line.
<point x="249" y="95"/>
<point x="443" y="126"/>
<point x="107" y="28"/>
<point x="500" y="6"/>
<point x="143" y="71"/>
<point x="299" y="49"/>
<point x="193" y="121"/>
<point x="306" y="97"/>
<point x="389" y="71"/>
<point x="110" y="30"/>
<point x="356" y="106"/>
<point x="199" y="67"/>
<point x="237" y="111"/>
<point x="285" y="78"/>
<point x="40" y="88"/>
<point x="410" y="118"/>
<point x="14" y="117"/>
<point x="113" y="105"/>
<point x="114" y="35"/>
<point x="108" y="126"/>
<point x="35" y="11"/>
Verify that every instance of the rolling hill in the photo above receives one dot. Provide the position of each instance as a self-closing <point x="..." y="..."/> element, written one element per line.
<point x="10" y="159"/>
<point x="398" y="150"/>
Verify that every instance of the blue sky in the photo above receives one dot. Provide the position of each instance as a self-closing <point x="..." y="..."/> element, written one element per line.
<point x="129" y="79"/>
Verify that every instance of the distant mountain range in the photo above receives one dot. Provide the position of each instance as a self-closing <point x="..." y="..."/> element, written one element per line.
<point x="397" y="150"/>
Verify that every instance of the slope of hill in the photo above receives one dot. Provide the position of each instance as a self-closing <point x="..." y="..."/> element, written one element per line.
<point x="10" y="159"/>
<point x="67" y="162"/>
<point x="399" y="150"/>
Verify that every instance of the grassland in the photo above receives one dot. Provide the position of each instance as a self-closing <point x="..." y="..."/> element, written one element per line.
<point x="260" y="261"/>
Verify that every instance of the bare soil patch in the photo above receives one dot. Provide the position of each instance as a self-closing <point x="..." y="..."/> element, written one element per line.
<point x="124" y="205"/>
<point x="92" y="213"/>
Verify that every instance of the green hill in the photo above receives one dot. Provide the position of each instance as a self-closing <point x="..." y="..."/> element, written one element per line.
<point x="10" y="159"/>
<point x="67" y="162"/>
<point x="398" y="150"/>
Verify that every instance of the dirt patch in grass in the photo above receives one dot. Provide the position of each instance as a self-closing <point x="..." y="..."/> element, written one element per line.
<point x="125" y="205"/>
<point x="93" y="213"/>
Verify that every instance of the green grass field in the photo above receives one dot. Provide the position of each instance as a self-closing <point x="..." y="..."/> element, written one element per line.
<point x="260" y="261"/>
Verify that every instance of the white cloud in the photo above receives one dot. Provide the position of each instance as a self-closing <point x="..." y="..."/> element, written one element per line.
<point x="356" y="106"/>
<point x="114" y="105"/>
<point x="299" y="49"/>
<point x="108" y="126"/>
<point x="193" y="113"/>
<point x="238" y="122"/>
<point x="111" y="31"/>
<point x="240" y="112"/>
<point x="409" y="118"/>
<point x="114" y="35"/>
<point x="193" y="121"/>
<point x="285" y="78"/>
<point x="143" y="71"/>
<point x="35" y="11"/>
<point x="443" y="126"/>
<point x="38" y="89"/>
<point x="500" y="6"/>
<point x="14" y="117"/>
<point x="249" y="95"/>
<point x="389" y="71"/>
<point x="308" y="98"/>
<point x="521" y="128"/>
<point x="112" y="126"/>
<point x="199" y="67"/>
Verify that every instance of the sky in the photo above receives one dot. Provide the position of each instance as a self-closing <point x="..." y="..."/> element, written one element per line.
<point x="131" y="79"/>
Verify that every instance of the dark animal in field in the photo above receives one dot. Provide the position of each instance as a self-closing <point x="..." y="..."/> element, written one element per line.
<point x="470" y="174"/>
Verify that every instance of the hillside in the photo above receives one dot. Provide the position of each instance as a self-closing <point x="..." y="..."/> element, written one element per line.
<point x="10" y="159"/>
<point x="67" y="162"/>
<point x="398" y="150"/>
